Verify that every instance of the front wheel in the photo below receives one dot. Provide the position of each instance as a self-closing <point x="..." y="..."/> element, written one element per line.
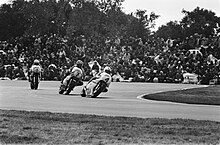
<point x="99" y="88"/>
<point x="61" y="91"/>
<point x="62" y="88"/>
<point x="70" y="87"/>
<point x="83" y="94"/>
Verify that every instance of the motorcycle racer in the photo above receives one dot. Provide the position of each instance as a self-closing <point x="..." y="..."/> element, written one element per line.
<point x="35" y="69"/>
<point x="105" y="75"/>
<point x="76" y="72"/>
<point x="95" y="68"/>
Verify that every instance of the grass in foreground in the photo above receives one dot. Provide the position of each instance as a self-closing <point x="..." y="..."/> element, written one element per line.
<point x="206" y="96"/>
<point x="56" y="128"/>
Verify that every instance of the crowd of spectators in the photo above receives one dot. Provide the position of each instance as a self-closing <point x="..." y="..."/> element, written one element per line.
<point x="135" y="59"/>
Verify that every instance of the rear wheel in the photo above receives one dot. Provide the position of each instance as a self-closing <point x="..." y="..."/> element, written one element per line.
<point x="36" y="81"/>
<point x="32" y="85"/>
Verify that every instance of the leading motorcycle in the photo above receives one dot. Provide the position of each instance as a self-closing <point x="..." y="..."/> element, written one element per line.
<point x="95" y="87"/>
<point x="34" y="74"/>
<point x="34" y="80"/>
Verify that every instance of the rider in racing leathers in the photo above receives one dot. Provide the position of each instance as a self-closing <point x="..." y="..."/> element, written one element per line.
<point x="104" y="75"/>
<point x="35" y="69"/>
<point x="76" y="72"/>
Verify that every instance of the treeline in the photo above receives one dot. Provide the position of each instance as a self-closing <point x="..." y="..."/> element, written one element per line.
<point x="97" y="18"/>
<point x="200" y="21"/>
<point x="68" y="17"/>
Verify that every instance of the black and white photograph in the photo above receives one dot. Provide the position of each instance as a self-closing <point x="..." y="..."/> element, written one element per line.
<point x="110" y="72"/>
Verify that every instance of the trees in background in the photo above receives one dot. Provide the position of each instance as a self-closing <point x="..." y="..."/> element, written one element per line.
<point x="171" y="30"/>
<point x="12" y="20"/>
<point x="97" y="18"/>
<point x="199" y="21"/>
<point x="65" y="17"/>
<point x="141" y="24"/>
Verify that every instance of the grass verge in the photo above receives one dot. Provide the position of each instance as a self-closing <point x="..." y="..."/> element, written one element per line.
<point x="206" y="96"/>
<point x="23" y="127"/>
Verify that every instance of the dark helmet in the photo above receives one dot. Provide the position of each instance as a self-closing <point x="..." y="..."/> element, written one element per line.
<point x="79" y="63"/>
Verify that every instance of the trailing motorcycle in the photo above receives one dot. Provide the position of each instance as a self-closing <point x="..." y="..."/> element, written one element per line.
<point x="66" y="89"/>
<point x="73" y="78"/>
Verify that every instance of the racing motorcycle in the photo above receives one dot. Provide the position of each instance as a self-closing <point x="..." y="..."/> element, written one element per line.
<point x="95" y="87"/>
<point x="34" y="80"/>
<point x="66" y="89"/>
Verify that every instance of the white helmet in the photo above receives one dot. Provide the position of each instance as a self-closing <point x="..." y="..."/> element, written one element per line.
<point x="36" y="62"/>
<point x="107" y="69"/>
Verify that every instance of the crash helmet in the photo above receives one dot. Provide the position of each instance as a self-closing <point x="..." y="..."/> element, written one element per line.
<point x="36" y="62"/>
<point x="107" y="69"/>
<point x="79" y="63"/>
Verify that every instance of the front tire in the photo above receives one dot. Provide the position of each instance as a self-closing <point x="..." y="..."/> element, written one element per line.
<point x="70" y="87"/>
<point x="83" y="94"/>
<point x="99" y="89"/>
<point x="62" y="88"/>
<point x="61" y="91"/>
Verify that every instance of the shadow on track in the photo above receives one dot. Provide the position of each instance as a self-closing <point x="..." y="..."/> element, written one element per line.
<point x="72" y="95"/>
<point x="101" y="97"/>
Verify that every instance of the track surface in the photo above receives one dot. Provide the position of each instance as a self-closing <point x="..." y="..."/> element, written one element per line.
<point x="121" y="100"/>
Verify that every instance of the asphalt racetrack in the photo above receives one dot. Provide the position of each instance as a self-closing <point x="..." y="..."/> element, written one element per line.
<point x="123" y="99"/>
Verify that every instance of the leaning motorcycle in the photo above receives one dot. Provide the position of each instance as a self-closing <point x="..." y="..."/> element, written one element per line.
<point x="94" y="88"/>
<point x="34" y="80"/>
<point x="66" y="89"/>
